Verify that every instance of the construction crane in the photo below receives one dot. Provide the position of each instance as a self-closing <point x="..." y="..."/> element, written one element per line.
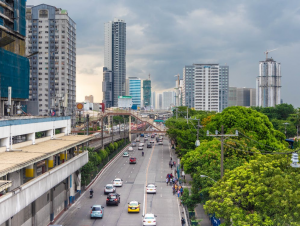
<point x="267" y="51"/>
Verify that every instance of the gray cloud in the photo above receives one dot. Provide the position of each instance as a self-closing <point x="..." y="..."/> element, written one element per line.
<point x="163" y="36"/>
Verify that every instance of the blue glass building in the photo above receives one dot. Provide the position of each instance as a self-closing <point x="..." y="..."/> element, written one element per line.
<point x="134" y="91"/>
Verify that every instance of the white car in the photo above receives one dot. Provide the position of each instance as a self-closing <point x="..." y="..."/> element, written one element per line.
<point x="149" y="219"/>
<point x="130" y="149"/>
<point x="109" y="188"/>
<point x="160" y="143"/>
<point x="142" y="144"/>
<point x="137" y="140"/>
<point x="151" y="188"/>
<point x="118" y="182"/>
<point x="152" y="141"/>
<point x="140" y="147"/>
<point x="125" y="154"/>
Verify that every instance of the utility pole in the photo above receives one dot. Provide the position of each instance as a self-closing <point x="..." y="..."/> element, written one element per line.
<point x="87" y="122"/>
<point x="222" y="135"/>
<point x="102" y="130"/>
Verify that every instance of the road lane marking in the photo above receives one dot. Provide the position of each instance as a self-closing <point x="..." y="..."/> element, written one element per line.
<point x="145" y="194"/>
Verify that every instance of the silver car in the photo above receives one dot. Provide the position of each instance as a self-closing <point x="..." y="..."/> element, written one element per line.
<point x="133" y="144"/>
<point x="109" y="188"/>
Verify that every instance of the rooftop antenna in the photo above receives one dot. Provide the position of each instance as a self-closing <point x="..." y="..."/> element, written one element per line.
<point x="267" y="51"/>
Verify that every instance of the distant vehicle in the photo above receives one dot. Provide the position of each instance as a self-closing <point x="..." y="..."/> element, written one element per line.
<point x="113" y="199"/>
<point x="125" y="154"/>
<point x="145" y="139"/>
<point x="118" y="182"/>
<point x="109" y="188"/>
<point x="97" y="211"/>
<point x="142" y="144"/>
<point x="152" y="141"/>
<point x="140" y="147"/>
<point x="149" y="219"/>
<point x="137" y="140"/>
<point x="142" y="135"/>
<point x="133" y="207"/>
<point x="151" y="188"/>
<point x="160" y="143"/>
<point x="149" y="145"/>
<point x="133" y="144"/>
<point x="132" y="160"/>
<point x="152" y="136"/>
<point x="130" y="149"/>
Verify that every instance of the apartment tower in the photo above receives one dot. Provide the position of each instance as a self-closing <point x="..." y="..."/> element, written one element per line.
<point x="115" y="60"/>
<point x="51" y="33"/>
<point x="223" y="87"/>
<point x="188" y="86"/>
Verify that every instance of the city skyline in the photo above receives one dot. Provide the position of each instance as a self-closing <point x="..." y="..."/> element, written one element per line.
<point x="236" y="34"/>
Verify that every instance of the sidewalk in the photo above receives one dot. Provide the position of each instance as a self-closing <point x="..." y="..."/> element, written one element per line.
<point x="199" y="211"/>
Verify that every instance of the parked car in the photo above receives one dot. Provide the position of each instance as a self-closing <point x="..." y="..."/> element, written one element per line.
<point x="113" y="199"/>
<point x="97" y="211"/>
<point x="109" y="188"/>
<point x="149" y="145"/>
<point x="132" y="160"/>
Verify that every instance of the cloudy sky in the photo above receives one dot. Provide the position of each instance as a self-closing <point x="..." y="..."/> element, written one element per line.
<point x="165" y="35"/>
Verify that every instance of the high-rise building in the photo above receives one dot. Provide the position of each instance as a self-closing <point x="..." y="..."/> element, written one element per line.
<point x="107" y="88"/>
<point x="223" y="87"/>
<point x="160" y="101"/>
<point x="241" y="97"/>
<point x="206" y="87"/>
<point x="153" y="102"/>
<point x="188" y="86"/>
<point x="147" y="93"/>
<point x="115" y="58"/>
<point x="89" y="99"/>
<point x="52" y="33"/>
<point x="168" y="98"/>
<point x="268" y="83"/>
<point x="134" y="90"/>
<point x="14" y="66"/>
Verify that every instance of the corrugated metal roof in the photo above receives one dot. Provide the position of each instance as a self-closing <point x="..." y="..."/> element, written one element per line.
<point x="15" y="160"/>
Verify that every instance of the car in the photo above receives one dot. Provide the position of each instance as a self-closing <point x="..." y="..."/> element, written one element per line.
<point x="151" y="188"/>
<point x="137" y="140"/>
<point x="157" y="138"/>
<point x="130" y="149"/>
<point x="145" y="139"/>
<point x="149" y="219"/>
<point x="113" y="199"/>
<point x="97" y="211"/>
<point x="109" y="188"/>
<point x="152" y="141"/>
<point x="133" y="144"/>
<point x="132" y="160"/>
<point x="140" y="147"/>
<point x="149" y="145"/>
<point x="133" y="207"/>
<point x="160" y="143"/>
<point x="118" y="182"/>
<point x="152" y="136"/>
<point x="142" y="144"/>
<point x="125" y="154"/>
<point x="142" y="135"/>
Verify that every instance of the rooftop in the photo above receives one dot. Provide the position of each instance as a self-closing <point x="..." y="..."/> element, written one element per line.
<point x="14" y="160"/>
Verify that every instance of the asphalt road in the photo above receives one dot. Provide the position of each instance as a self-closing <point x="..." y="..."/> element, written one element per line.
<point x="152" y="168"/>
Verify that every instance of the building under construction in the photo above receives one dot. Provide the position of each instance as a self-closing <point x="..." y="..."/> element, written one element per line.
<point x="268" y="83"/>
<point x="147" y="92"/>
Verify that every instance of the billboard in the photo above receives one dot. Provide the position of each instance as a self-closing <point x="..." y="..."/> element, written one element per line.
<point x="124" y="101"/>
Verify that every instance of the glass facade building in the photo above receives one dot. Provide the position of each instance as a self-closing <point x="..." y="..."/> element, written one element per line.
<point x="135" y="91"/>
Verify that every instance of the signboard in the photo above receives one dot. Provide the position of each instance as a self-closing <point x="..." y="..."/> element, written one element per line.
<point x="124" y="101"/>
<point x="79" y="107"/>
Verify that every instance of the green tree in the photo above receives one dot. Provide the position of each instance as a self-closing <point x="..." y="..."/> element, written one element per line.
<point x="262" y="192"/>
<point x="111" y="147"/>
<point x="116" y="146"/>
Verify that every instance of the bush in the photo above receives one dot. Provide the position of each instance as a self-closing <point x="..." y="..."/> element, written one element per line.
<point x="116" y="146"/>
<point x="111" y="147"/>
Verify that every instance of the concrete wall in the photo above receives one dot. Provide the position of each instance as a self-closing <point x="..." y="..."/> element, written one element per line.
<point x="14" y="202"/>
<point x="59" y="198"/>
<point x="42" y="205"/>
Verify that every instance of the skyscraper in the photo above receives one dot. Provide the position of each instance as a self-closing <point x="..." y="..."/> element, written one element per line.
<point x="206" y="87"/>
<point x="223" y="87"/>
<point x="153" y="102"/>
<point x="188" y="86"/>
<point x="134" y="90"/>
<point x="52" y="33"/>
<point x="14" y="66"/>
<point x="241" y="97"/>
<point x="168" y="98"/>
<point x="268" y="83"/>
<point x="147" y="93"/>
<point x="115" y="58"/>
<point x="160" y="101"/>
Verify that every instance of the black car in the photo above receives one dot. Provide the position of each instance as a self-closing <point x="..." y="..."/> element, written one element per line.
<point x="149" y="145"/>
<point x="113" y="199"/>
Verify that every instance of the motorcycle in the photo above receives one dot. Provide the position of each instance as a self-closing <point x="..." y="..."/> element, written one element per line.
<point x="91" y="194"/>
<point x="142" y="153"/>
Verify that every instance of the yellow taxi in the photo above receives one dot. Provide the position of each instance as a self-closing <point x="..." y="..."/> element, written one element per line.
<point x="133" y="207"/>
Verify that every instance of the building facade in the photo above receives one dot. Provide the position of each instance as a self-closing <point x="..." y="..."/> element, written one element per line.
<point x="107" y="88"/>
<point x="115" y="57"/>
<point x="268" y="83"/>
<point x="241" y="97"/>
<point x="147" y="93"/>
<point x="160" y="101"/>
<point x="135" y="91"/>
<point x="188" y="86"/>
<point x="153" y="102"/>
<point x="168" y="99"/>
<point x="206" y="87"/>
<point x="89" y="99"/>
<point x="51" y="33"/>
<point x="14" y="66"/>
<point x="223" y="87"/>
